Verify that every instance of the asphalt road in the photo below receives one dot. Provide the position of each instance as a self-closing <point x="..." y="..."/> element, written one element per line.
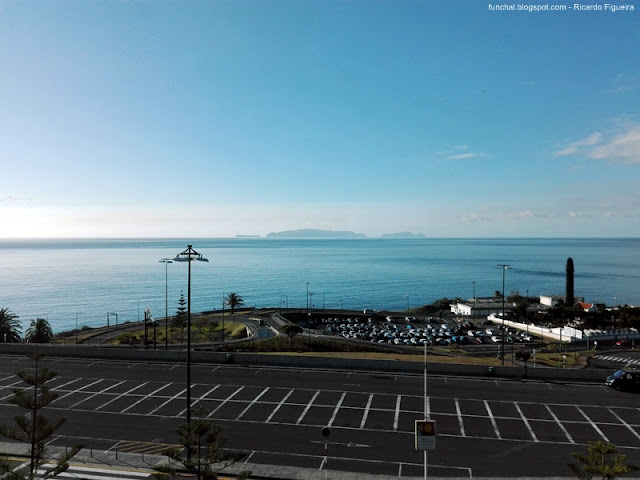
<point x="485" y="427"/>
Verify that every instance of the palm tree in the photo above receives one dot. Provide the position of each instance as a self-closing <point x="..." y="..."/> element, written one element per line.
<point x="39" y="331"/>
<point x="10" y="329"/>
<point x="234" y="300"/>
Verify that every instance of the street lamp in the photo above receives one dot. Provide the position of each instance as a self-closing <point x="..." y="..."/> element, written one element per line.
<point x="474" y="300"/>
<point x="166" y="262"/>
<point x="77" y="326"/>
<point x="189" y="255"/>
<point x="504" y="268"/>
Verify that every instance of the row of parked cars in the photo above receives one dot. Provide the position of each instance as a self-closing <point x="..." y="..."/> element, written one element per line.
<point x="405" y="331"/>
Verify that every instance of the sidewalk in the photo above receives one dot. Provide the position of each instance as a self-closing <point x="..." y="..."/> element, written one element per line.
<point x="146" y="463"/>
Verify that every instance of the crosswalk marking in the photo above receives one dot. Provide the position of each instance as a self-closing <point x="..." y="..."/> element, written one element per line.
<point x="628" y="361"/>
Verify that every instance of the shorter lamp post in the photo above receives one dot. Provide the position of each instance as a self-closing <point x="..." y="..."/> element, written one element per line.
<point x="166" y="262"/>
<point x="504" y="268"/>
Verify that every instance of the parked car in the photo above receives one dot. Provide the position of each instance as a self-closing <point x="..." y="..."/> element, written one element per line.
<point x="625" y="380"/>
<point x="625" y="342"/>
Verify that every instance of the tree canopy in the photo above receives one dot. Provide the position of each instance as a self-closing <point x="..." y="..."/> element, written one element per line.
<point x="10" y="329"/>
<point x="39" y="331"/>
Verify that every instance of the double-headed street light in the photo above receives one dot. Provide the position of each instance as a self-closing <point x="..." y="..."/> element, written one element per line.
<point x="166" y="262"/>
<point x="189" y="255"/>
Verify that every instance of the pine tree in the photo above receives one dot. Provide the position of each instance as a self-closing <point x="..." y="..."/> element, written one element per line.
<point x="596" y="462"/>
<point x="179" y="321"/>
<point x="201" y="454"/>
<point x="34" y="428"/>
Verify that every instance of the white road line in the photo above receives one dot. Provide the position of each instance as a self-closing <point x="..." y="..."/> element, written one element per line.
<point x="224" y="402"/>
<point x="179" y="394"/>
<point x="493" y="420"/>
<point x="96" y="394"/>
<point x="595" y="427"/>
<point x="366" y="411"/>
<point x="460" y="422"/>
<point x="560" y="424"/>
<point x="78" y="390"/>
<point x="335" y="410"/>
<point x="145" y="397"/>
<point x="397" y="415"/>
<point x="122" y="395"/>
<point x="307" y="407"/>
<point x="625" y="423"/>
<point x="252" y="403"/>
<point x="279" y="405"/>
<point x="526" y="422"/>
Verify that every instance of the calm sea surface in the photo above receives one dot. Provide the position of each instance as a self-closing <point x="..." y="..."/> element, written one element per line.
<point x="84" y="279"/>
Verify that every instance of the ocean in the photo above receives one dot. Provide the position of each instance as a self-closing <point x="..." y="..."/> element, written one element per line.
<point x="79" y="282"/>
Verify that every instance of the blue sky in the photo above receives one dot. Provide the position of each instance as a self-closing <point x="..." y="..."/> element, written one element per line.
<point x="217" y="118"/>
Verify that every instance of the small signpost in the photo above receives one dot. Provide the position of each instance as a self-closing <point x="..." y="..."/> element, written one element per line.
<point x="326" y="433"/>
<point x="425" y="435"/>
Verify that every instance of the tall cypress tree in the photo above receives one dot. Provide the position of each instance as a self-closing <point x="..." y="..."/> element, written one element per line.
<point x="570" y="299"/>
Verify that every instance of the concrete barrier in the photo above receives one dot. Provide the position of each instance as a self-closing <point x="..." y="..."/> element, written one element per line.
<point x="302" y="361"/>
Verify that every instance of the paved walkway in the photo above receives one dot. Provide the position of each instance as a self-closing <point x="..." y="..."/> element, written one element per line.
<point x="125" y="466"/>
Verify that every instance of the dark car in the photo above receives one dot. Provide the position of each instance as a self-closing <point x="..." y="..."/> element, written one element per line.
<point x="626" y="379"/>
<point x="625" y="342"/>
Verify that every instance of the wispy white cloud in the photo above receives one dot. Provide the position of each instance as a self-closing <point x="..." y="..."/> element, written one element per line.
<point x="577" y="146"/>
<point x="623" y="83"/>
<point x="619" y="145"/>
<point x="457" y="152"/>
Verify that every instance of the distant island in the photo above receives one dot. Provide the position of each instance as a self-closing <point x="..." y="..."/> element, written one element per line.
<point x="247" y="236"/>
<point x="313" y="233"/>
<point x="402" y="235"/>
<point x="316" y="233"/>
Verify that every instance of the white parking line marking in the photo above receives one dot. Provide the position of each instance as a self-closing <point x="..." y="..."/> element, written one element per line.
<point x="366" y="411"/>
<point x="122" y="395"/>
<point x="224" y="402"/>
<point x="493" y="420"/>
<point x="460" y="422"/>
<point x="335" y="410"/>
<point x="595" y="427"/>
<point x="177" y="395"/>
<point x="78" y="390"/>
<point x="397" y="415"/>
<point x="279" y="405"/>
<point x="526" y="422"/>
<point x="252" y="403"/>
<point x="624" y="423"/>
<point x="8" y="386"/>
<point x="307" y="407"/>
<point x="96" y="394"/>
<point x="145" y="397"/>
<point x="560" y="424"/>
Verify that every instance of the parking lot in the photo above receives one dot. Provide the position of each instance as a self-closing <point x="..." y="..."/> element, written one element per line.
<point x="413" y="331"/>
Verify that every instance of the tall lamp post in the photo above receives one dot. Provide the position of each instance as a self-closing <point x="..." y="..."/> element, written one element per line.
<point x="504" y="268"/>
<point x="189" y="255"/>
<point x="166" y="262"/>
